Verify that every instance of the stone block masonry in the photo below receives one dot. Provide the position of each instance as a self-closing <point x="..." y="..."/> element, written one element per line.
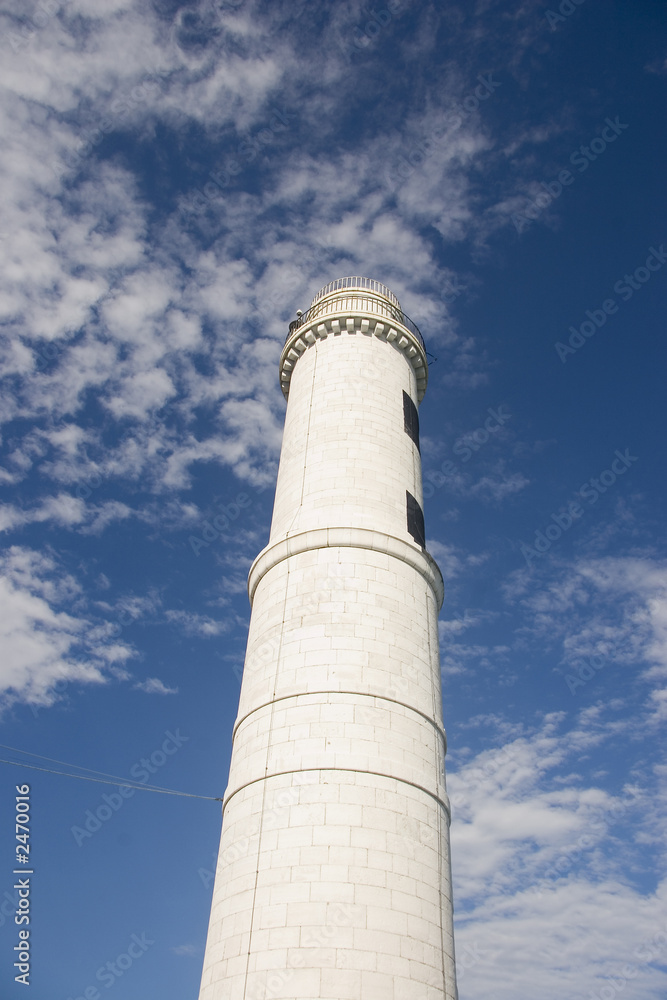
<point x="337" y="781"/>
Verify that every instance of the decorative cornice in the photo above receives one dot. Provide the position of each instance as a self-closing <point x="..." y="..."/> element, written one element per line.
<point x="365" y="323"/>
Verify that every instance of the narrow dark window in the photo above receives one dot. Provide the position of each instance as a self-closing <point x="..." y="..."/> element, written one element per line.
<point x="411" y="418"/>
<point x="415" y="520"/>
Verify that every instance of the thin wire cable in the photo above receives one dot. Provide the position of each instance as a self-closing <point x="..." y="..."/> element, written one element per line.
<point x="54" y="760"/>
<point x="120" y="781"/>
<point x="117" y="779"/>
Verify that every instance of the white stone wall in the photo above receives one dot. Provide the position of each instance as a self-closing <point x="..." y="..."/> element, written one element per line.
<point x="333" y="878"/>
<point x="346" y="459"/>
<point x="335" y="884"/>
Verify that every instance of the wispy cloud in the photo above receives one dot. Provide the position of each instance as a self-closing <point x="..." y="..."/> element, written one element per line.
<point x="45" y="645"/>
<point x="188" y="950"/>
<point x="153" y="685"/>
<point x="543" y="859"/>
<point x="96" y="298"/>
<point x="195" y="624"/>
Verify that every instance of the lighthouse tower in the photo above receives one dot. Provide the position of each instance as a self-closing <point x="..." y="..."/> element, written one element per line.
<point x="333" y="877"/>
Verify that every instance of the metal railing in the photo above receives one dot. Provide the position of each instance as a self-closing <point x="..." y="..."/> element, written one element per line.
<point x="358" y="282"/>
<point x="352" y="304"/>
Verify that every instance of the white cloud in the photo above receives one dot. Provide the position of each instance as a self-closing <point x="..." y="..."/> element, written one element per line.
<point x="188" y="950"/>
<point x="106" y="514"/>
<point x="66" y="511"/>
<point x="10" y="517"/>
<point x="195" y="624"/>
<point x="545" y="873"/>
<point x="497" y="488"/>
<point x="63" y="509"/>
<point x="458" y="657"/>
<point x="470" y="619"/>
<point x="153" y="685"/>
<point x="44" y="646"/>
<point x="96" y="298"/>
<point x="611" y="609"/>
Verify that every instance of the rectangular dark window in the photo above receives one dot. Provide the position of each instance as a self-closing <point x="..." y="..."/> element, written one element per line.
<point x="415" y="520"/>
<point x="411" y="418"/>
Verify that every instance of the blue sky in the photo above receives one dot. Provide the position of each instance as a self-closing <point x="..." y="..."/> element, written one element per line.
<point x="178" y="179"/>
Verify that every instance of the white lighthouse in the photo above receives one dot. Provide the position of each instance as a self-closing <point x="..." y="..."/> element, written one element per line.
<point x="333" y="877"/>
